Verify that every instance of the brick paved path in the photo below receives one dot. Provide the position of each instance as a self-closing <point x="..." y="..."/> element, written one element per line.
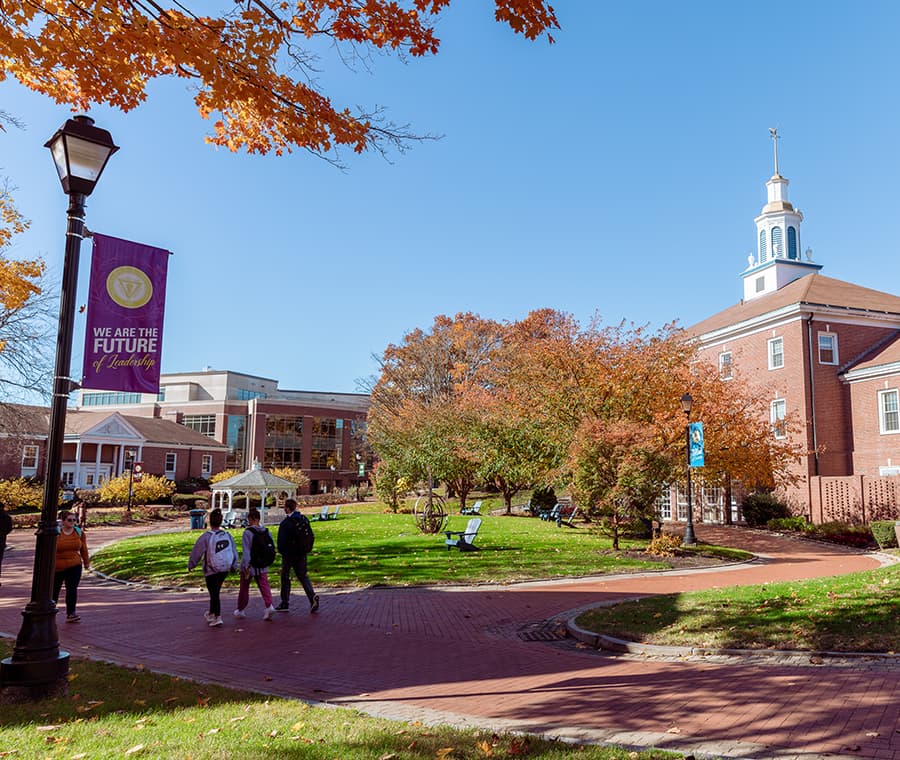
<point x="456" y="655"/>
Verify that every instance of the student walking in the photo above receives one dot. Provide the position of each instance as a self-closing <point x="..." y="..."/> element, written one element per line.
<point x="5" y="530"/>
<point x="215" y="548"/>
<point x="295" y="541"/>
<point x="71" y="555"/>
<point x="257" y="553"/>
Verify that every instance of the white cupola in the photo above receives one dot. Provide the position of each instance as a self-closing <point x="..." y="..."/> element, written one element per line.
<point x="777" y="261"/>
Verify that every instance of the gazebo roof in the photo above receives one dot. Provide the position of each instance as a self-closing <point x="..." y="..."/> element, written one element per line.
<point x="254" y="479"/>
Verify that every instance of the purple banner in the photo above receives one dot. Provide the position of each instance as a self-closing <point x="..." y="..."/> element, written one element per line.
<point x="126" y="304"/>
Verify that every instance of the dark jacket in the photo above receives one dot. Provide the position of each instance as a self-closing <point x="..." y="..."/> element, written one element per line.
<point x="289" y="535"/>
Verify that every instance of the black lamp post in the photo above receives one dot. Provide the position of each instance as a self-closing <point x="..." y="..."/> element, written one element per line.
<point x="37" y="667"/>
<point x="687" y="401"/>
<point x="332" y="478"/>
<point x="358" y="475"/>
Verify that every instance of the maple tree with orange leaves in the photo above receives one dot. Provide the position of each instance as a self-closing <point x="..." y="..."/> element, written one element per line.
<point x="254" y="64"/>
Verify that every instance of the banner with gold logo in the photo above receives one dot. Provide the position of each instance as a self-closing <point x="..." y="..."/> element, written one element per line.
<point x="126" y="305"/>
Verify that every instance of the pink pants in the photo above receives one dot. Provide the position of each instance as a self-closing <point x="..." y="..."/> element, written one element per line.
<point x="262" y="581"/>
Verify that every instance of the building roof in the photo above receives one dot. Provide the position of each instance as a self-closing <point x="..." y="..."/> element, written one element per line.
<point x="882" y="355"/>
<point x="254" y="479"/>
<point x="812" y="291"/>
<point x="21" y="419"/>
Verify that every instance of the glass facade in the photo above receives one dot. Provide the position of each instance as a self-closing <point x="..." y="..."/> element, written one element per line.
<point x="326" y="442"/>
<point x="284" y="442"/>
<point x="109" y="398"/>
<point x="236" y="441"/>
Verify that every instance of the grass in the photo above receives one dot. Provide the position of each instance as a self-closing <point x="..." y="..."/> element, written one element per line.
<point x="856" y="612"/>
<point x="112" y="711"/>
<point x="366" y="548"/>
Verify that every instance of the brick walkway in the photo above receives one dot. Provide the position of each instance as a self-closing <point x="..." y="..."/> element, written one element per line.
<point x="468" y="656"/>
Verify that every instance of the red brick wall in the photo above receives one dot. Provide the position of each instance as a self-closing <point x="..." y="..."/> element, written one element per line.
<point x="872" y="449"/>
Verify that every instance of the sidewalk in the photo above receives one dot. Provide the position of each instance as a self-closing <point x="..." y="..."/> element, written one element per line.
<point x="466" y="656"/>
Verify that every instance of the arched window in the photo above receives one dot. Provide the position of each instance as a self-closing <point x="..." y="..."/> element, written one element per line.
<point x="792" y="243"/>
<point x="762" y="246"/>
<point x="777" y="245"/>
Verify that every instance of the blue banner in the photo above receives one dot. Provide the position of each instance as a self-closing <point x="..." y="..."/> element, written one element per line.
<point x="696" y="438"/>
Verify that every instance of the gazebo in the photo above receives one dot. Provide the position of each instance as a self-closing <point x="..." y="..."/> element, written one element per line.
<point x="253" y="481"/>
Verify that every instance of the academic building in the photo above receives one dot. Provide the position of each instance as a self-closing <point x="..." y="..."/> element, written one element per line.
<point x="826" y="352"/>
<point x="199" y="423"/>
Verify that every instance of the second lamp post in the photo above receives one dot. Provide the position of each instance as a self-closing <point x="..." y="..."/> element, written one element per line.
<point x="687" y="401"/>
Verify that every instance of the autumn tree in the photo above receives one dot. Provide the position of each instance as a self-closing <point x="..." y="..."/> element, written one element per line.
<point x="421" y="411"/>
<point x="254" y="65"/>
<point x="25" y="312"/>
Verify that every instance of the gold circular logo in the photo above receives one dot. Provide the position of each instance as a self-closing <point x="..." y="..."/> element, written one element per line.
<point x="129" y="287"/>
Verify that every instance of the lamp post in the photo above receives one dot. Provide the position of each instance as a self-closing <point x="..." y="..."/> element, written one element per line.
<point x="687" y="401"/>
<point x="358" y="473"/>
<point x="37" y="667"/>
<point x="332" y="478"/>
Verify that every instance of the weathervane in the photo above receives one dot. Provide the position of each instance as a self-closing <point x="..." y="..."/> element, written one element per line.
<point x="774" y="132"/>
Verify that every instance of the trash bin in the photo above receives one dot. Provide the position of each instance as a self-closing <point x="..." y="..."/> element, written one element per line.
<point x="198" y="519"/>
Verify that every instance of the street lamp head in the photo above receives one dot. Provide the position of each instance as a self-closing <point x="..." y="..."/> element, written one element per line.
<point x="80" y="151"/>
<point x="687" y="401"/>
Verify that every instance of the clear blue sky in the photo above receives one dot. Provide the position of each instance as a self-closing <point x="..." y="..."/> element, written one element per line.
<point x="616" y="172"/>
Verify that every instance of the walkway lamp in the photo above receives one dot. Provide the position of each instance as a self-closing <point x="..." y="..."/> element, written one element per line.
<point x="687" y="402"/>
<point x="37" y="668"/>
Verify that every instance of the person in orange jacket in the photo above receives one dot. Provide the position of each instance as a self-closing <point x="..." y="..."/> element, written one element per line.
<point x="71" y="555"/>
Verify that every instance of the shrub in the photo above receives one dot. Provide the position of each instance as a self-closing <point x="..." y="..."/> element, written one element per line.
<point x="760" y="507"/>
<point x="224" y="475"/>
<point x="21" y="493"/>
<point x="844" y="533"/>
<point x="884" y="533"/>
<point x="297" y="477"/>
<point x="189" y="500"/>
<point x="191" y="485"/>
<point x="665" y="545"/>
<point x="796" y="524"/>
<point x="543" y="498"/>
<point x="151" y="489"/>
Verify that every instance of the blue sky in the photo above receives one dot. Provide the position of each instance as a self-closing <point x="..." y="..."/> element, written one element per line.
<point x="616" y="172"/>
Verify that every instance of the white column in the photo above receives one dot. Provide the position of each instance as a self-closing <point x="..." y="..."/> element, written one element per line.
<point x="97" y="464"/>
<point x="76" y="477"/>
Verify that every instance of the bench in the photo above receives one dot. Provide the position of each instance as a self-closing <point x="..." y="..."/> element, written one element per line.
<point x="465" y="539"/>
<point x="326" y="515"/>
<point x="562" y="513"/>
<point x="475" y="509"/>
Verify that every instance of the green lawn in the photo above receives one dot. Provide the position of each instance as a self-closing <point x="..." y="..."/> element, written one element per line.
<point x="857" y="612"/>
<point x="364" y="548"/>
<point x="117" y="712"/>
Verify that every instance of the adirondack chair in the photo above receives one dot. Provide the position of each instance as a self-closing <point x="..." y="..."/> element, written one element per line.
<point x="465" y="539"/>
<point x="475" y="509"/>
<point x="334" y="513"/>
<point x="323" y="514"/>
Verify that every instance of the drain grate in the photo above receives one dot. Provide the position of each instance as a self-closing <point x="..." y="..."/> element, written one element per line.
<point x="546" y="630"/>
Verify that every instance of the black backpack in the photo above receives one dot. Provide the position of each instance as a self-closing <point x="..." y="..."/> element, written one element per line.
<point x="262" y="549"/>
<point x="304" y="537"/>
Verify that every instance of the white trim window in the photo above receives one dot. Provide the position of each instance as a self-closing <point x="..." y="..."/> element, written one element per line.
<point x="171" y="464"/>
<point x="206" y="465"/>
<point x="828" y="348"/>
<point x="889" y="411"/>
<point x="29" y="459"/>
<point x="726" y="369"/>
<point x="777" y="413"/>
<point x="776" y="353"/>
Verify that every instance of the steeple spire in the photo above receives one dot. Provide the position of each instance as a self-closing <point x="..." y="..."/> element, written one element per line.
<point x="774" y="132"/>
<point x="777" y="261"/>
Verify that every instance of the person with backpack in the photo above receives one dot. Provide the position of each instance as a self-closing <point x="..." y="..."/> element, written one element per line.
<point x="257" y="553"/>
<point x="295" y="541"/>
<point x="71" y="555"/>
<point x="6" y="526"/>
<point x="216" y="549"/>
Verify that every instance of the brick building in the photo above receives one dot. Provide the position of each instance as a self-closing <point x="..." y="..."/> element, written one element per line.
<point x="826" y="352"/>
<point x="321" y="433"/>
<point x="101" y="445"/>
